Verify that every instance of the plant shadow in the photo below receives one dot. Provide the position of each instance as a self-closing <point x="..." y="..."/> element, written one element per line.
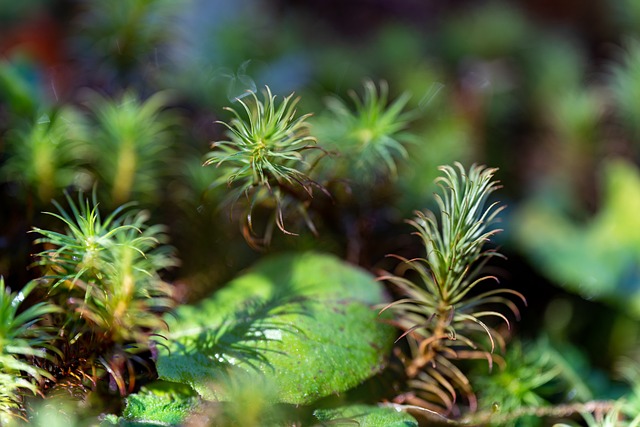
<point x="241" y="341"/>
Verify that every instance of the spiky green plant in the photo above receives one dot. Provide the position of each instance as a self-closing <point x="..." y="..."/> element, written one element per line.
<point x="371" y="136"/>
<point x="532" y="378"/>
<point x="440" y="315"/>
<point x="625" y="86"/>
<point x="20" y="339"/>
<point x="107" y="273"/>
<point x="265" y="158"/>
<point x="125" y="33"/>
<point x="576" y="115"/>
<point x="132" y="144"/>
<point x="611" y="418"/>
<point x="43" y="158"/>
<point x="629" y="370"/>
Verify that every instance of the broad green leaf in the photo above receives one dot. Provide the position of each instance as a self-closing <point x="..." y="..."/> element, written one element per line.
<point x="365" y="416"/>
<point x="302" y="321"/>
<point x="597" y="259"/>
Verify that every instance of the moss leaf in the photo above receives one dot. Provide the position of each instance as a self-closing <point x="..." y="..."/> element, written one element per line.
<point x="365" y="416"/>
<point x="302" y="322"/>
<point x="159" y="403"/>
<point x="162" y="402"/>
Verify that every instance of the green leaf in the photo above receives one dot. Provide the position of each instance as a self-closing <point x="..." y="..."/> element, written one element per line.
<point x="597" y="259"/>
<point x="303" y="321"/>
<point x="113" y="420"/>
<point x="365" y="416"/>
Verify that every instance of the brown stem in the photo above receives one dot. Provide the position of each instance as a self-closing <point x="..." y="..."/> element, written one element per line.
<point x="597" y="406"/>
<point x="429" y="348"/>
<point x="430" y="417"/>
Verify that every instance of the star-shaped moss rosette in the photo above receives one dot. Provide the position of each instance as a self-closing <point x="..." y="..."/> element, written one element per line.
<point x="132" y="145"/>
<point x="370" y="137"/>
<point x="265" y="159"/>
<point x="106" y="272"/>
<point x="46" y="154"/>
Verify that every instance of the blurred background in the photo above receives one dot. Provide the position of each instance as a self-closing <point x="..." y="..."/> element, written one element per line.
<point x="122" y="96"/>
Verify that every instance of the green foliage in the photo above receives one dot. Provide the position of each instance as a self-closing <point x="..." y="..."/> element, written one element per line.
<point x="540" y="104"/>
<point x="128" y="149"/>
<point x="596" y="258"/>
<point x="265" y="158"/>
<point x="20" y="338"/>
<point x="162" y="402"/>
<point x="302" y="321"/>
<point x="131" y="145"/>
<point x="46" y="155"/>
<point x="449" y="139"/>
<point x="370" y="138"/>
<point x="439" y="315"/>
<point x="575" y="116"/>
<point x="58" y="411"/>
<point x="627" y="14"/>
<point x="625" y="86"/>
<point x="248" y="402"/>
<point x="107" y="272"/>
<point x="125" y="32"/>
<point x="298" y="328"/>
<point x="557" y="66"/>
<point x="612" y="418"/>
<point x="10" y="12"/>
<point x="16" y="89"/>
<point x="365" y="416"/>
<point x="532" y="375"/>
<point x="210" y="58"/>
<point x="488" y="31"/>
<point x="521" y="382"/>
<point x="628" y="369"/>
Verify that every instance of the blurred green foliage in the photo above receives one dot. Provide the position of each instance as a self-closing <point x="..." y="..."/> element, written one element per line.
<point x="17" y="88"/>
<point x="131" y="146"/>
<point x="11" y="11"/>
<point x="47" y="155"/>
<point x="625" y="86"/>
<point x="597" y="258"/>
<point x="368" y="140"/>
<point x="549" y="94"/>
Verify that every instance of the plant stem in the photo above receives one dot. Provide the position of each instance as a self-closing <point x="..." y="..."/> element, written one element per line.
<point x="491" y="417"/>
<point x="566" y="410"/>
